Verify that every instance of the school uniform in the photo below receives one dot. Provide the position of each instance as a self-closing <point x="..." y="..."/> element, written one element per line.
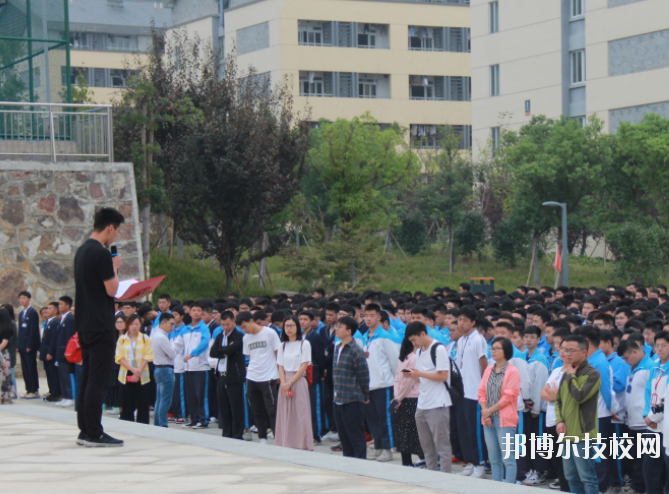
<point x="57" y="349"/>
<point x="196" y="344"/>
<point x="212" y="397"/>
<point x="50" y="333"/>
<point x="607" y="406"/>
<point x="537" y="368"/>
<point x="319" y="344"/>
<point x="328" y="387"/>
<point x="178" y="408"/>
<point x="382" y="354"/>
<point x="29" y="338"/>
<point x="635" y="396"/>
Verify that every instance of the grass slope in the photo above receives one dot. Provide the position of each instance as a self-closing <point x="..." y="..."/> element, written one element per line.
<point x="192" y="278"/>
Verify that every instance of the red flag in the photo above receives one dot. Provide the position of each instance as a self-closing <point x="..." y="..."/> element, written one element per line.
<point x="557" y="263"/>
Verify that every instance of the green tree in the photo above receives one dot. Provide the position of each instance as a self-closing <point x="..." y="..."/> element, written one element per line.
<point x="471" y="233"/>
<point x="360" y="167"/>
<point x="641" y="252"/>
<point x="412" y="233"/>
<point x="448" y="191"/>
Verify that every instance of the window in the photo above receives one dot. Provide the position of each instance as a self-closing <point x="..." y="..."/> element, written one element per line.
<point x="495" y="137"/>
<point x="312" y="38"/>
<point x="312" y="87"/>
<point x="75" y="72"/>
<point x="422" y="87"/>
<point x="493" y="9"/>
<point x="120" y="43"/>
<point x="119" y="78"/>
<point x="577" y="9"/>
<point x="581" y="120"/>
<point x="367" y="88"/>
<point x="577" y="67"/>
<point x="366" y="40"/>
<point x="494" y="80"/>
<point x="79" y="41"/>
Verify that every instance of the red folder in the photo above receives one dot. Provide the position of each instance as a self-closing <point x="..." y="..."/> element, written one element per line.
<point x="136" y="288"/>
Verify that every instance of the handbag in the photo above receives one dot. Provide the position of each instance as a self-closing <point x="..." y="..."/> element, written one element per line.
<point x="309" y="373"/>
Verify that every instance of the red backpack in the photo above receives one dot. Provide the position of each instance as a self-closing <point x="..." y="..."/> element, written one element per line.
<point x="73" y="350"/>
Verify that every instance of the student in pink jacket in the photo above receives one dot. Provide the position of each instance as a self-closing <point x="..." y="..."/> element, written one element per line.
<point x="498" y="396"/>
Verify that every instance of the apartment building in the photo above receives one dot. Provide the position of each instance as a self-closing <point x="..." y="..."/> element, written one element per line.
<point x="567" y="57"/>
<point x="403" y="61"/>
<point x="105" y="35"/>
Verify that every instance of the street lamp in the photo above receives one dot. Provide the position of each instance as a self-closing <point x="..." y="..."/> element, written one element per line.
<point x="565" y="267"/>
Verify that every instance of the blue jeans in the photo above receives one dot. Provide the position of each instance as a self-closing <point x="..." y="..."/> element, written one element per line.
<point x="164" y="377"/>
<point x="579" y="472"/>
<point x="495" y="441"/>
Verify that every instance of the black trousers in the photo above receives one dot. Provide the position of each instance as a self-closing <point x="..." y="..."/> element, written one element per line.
<point x="97" y="350"/>
<point x="262" y="401"/>
<point x="655" y="470"/>
<point x="315" y="399"/>
<point x="606" y="468"/>
<point x="350" y="420"/>
<point x="525" y="463"/>
<point x="136" y="396"/>
<point x="230" y="407"/>
<point x="376" y="412"/>
<point x="212" y="397"/>
<point x="66" y="380"/>
<point x="556" y="460"/>
<point x="29" y="369"/>
<point x="455" y="440"/>
<point x="52" y="377"/>
<point x="195" y="383"/>
<point x="468" y="427"/>
<point x="636" y="463"/>
<point x="328" y="404"/>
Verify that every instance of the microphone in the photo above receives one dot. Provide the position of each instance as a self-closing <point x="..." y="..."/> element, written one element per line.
<point x="114" y="251"/>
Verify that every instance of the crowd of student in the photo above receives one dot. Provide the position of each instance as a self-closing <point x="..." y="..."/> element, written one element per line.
<point x="442" y="376"/>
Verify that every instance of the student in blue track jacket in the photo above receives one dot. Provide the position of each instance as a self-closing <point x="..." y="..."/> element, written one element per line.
<point x="382" y="354"/>
<point x="28" y="344"/>
<point x="654" y="469"/>
<point x="529" y="469"/>
<point x="196" y="359"/>
<point x="632" y="352"/>
<point x="607" y="405"/>
<point x="49" y="335"/>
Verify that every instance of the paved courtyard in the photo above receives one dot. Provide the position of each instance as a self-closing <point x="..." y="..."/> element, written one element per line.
<point x="38" y="454"/>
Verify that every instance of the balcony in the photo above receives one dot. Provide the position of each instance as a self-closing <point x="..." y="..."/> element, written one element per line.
<point x="429" y="136"/>
<point x="56" y="132"/>
<point x="439" y="88"/>
<point x="343" y="34"/>
<point x="429" y="38"/>
<point x="344" y="85"/>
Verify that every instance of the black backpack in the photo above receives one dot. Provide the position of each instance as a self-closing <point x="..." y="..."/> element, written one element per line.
<point x="456" y="389"/>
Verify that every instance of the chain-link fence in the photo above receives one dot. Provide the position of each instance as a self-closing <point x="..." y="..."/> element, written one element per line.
<point x="35" y="51"/>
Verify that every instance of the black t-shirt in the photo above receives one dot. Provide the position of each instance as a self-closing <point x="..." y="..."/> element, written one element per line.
<point x="94" y="308"/>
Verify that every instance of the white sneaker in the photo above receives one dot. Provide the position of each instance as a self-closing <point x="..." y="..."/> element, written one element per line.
<point x="479" y="472"/>
<point x="331" y="436"/>
<point x="386" y="455"/>
<point x="270" y="434"/>
<point x="65" y="403"/>
<point x="374" y="454"/>
<point x="213" y="420"/>
<point x="530" y="478"/>
<point x="263" y="441"/>
<point x="247" y="435"/>
<point x="253" y="429"/>
<point x="469" y="469"/>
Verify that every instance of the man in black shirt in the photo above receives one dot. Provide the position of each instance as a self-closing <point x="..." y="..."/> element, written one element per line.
<point x="96" y="282"/>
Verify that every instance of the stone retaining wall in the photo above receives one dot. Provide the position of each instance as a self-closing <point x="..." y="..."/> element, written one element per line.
<point x="46" y="212"/>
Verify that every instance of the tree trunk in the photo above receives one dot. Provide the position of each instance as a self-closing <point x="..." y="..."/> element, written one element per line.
<point x="536" y="282"/>
<point x="247" y="271"/>
<point x="173" y="237"/>
<point x="146" y="227"/>
<point x="450" y="249"/>
<point x="180" y="248"/>
<point x="584" y="241"/>
<point x="163" y="232"/>
<point x="389" y="243"/>
<point x="263" y="261"/>
<point x="228" y="279"/>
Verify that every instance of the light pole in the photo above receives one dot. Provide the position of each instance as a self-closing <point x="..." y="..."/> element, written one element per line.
<point x="565" y="266"/>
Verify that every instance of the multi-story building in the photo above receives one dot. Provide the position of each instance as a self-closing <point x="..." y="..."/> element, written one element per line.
<point x="567" y="57"/>
<point x="105" y="35"/>
<point x="403" y="61"/>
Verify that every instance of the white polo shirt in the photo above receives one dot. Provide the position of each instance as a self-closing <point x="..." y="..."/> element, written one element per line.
<point x="470" y="349"/>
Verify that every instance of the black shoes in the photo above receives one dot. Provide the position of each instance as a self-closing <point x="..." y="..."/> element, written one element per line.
<point x="81" y="439"/>
<point x="104" y="441"/>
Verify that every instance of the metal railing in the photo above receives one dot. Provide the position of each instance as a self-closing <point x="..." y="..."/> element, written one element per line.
<point x="67" y="131"/>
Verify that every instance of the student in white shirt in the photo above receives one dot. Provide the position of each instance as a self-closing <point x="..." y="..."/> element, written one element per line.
<point x="472" y="361"/>
<point x="261" y="344"/>
<point x="434" y="400"/>
<point x="163" y="360"/>
<point x="293" y="415"/>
